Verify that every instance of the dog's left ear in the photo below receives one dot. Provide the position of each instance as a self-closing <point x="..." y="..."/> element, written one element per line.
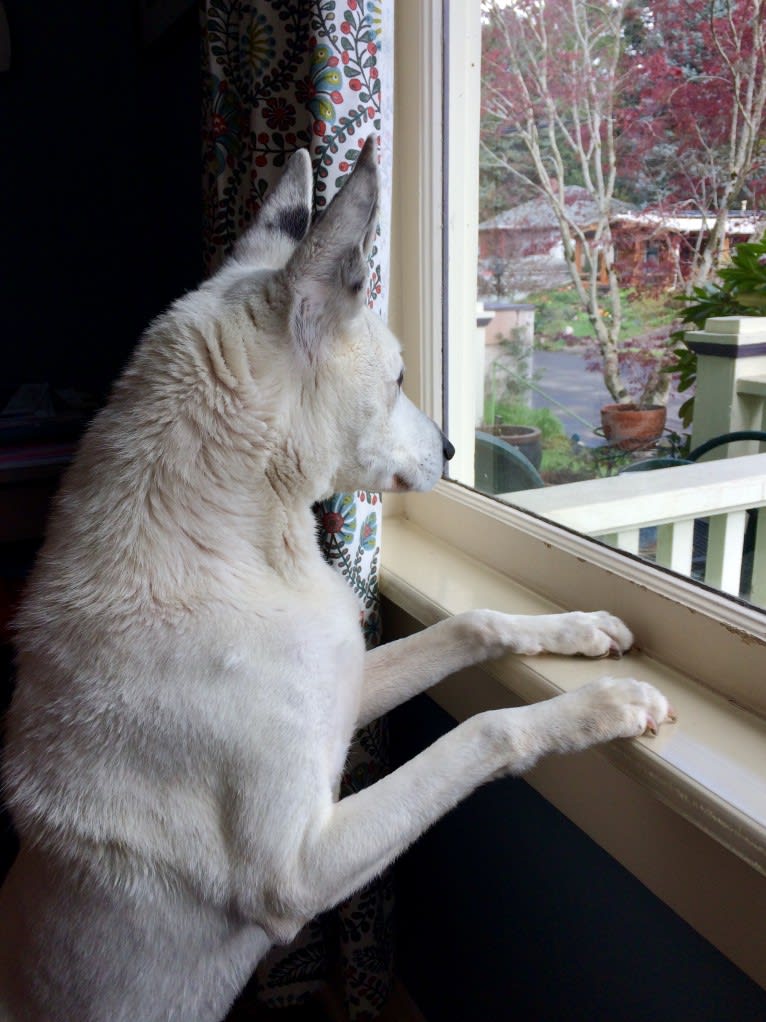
<point x="328" y="272"/>
<point x="283" y="220"/>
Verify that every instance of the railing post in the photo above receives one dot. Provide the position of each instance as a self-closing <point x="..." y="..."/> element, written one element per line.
<point x="758" y="583"/>
<point x="675" y="543"/>
<point x="723" y="563"/>
<point x="730" y="350"/>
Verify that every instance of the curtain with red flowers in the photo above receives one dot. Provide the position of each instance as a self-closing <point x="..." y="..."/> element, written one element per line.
<point x="281" y="75"/>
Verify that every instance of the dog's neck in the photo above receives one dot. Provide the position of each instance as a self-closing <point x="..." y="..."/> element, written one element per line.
<point x="286" y="536"/>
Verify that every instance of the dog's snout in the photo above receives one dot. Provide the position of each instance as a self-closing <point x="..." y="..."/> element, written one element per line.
<point x="449" y="450"/>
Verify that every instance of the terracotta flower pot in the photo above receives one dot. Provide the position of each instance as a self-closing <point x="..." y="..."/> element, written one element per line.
<point x="631" y="427"/>
<point x="528" y="439"/>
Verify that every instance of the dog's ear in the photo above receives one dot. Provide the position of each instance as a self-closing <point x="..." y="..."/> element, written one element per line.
<point x="328" y="272"/>
<point x="283" y="220"/>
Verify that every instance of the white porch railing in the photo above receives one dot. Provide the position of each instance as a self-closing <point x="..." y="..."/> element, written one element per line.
<point x="615" y="509"/>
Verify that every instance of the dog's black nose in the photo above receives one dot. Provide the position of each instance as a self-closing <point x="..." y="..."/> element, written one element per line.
<point x="449" y="450"/>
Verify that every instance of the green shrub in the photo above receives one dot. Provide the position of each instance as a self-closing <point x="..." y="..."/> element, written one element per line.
<point x="517" y="414"/>
<point x="741" y="292"/>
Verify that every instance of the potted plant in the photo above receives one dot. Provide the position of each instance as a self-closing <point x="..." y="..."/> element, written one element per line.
<point x="528" y="439"/>
<point x="506" y="386"/>
<point x="637" y="420"/>
<point x="631" y="426"/>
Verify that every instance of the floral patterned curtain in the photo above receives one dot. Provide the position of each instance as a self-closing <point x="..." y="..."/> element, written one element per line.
<point x="282" y="75"/>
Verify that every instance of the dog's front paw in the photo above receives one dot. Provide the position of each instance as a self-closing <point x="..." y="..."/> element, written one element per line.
<point x="595" y="634"/>
<point x="617" y="708"/>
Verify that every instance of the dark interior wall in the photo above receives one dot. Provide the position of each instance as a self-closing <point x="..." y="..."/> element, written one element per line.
<point x="100" y="220"/>
<point x="100" y="197"/>
<point x="507" y="911"/>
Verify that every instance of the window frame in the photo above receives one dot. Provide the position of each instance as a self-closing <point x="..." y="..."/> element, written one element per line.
<point x="672" y="827"/>
<point x="715" y="639"/>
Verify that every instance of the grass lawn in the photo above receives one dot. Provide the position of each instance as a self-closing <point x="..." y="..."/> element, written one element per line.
<point x="560" y="319"/>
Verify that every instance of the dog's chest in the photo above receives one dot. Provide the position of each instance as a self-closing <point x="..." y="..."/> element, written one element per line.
<point x="336" y="654"/>
<point x="315" y="662"/>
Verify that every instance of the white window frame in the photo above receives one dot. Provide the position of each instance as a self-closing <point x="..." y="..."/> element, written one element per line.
<point x="713" y="638"/>
<point x="675" y="821"/>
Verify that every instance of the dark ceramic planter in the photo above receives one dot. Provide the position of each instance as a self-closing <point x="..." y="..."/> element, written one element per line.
<point x="528" y="439"/>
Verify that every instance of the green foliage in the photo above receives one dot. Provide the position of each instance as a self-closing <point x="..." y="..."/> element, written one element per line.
<point x="558" y="453"/>
<point x="684" y="366"/>
<point x="741" y="291"/>
<point x="510" y="373"/>
<point x="745" y="278"/>
<point x="514" y="413"/>
<point x="563" y="460"/>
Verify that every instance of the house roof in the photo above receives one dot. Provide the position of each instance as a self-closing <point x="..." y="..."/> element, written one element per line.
<point x="739" y="222"/>
<point x="537" y="214"/>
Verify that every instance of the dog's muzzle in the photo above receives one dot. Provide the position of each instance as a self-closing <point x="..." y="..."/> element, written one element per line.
<point x="449" y="450"/>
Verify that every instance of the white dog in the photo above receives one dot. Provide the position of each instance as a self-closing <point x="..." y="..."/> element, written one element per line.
<point x="190" y="670"/>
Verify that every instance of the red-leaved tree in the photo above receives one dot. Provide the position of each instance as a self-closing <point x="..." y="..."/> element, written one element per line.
<point x="692" y="122"/>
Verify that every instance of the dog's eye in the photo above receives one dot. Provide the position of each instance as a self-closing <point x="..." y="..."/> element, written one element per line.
<point x="400" y="380"/>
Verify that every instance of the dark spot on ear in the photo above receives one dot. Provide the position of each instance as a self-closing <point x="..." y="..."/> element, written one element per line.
<point x="293" y="221"/>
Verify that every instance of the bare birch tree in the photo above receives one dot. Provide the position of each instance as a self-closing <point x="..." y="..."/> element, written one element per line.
<point x="551" y="76"/>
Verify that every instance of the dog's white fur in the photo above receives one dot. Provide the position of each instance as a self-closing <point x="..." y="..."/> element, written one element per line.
<point x="191" y="672"/>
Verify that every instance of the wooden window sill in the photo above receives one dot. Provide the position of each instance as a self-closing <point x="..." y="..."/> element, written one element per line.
<point x="671" y="808"/>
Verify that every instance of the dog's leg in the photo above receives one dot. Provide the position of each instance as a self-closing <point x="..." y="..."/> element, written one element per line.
<point x="399" y="670"/>
<point x="355" y="838"/>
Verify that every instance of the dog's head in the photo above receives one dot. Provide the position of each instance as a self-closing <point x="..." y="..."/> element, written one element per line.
<point x="341" y="401"/>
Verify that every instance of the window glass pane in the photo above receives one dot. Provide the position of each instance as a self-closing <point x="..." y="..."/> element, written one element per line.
<point x="621" y="188"/>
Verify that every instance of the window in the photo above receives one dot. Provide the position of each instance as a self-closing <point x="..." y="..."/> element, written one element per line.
<point x="455" y="548"/>
<point x="722" y="640"/>
<point x="580" y="251"/>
